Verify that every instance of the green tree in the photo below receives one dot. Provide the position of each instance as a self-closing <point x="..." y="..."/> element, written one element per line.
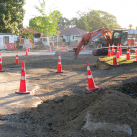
<point x="64" y="22"/>
<point x="11" y="15"/>
<point x="109" y="19"/>
<point x="79" y="21"/>
<point x="45" y="24"/>
<point x="130" y="26"/>
<point x="93" y="20"/>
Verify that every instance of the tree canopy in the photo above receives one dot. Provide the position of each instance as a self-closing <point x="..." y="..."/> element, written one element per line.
<point x="11" y="15"/>
<point x="46" y="24"/>
<point x="91" y="20"/>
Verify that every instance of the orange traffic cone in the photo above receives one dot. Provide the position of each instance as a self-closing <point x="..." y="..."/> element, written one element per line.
<point x="49" y="48"/>
<point x="114" y="59"/>
<point x="112" y="51"/>
<point x="117" y="50"/>
<point x="91" y="85"/>
<point x="17" y="59"/>
<point x="26" y="51"/>
<point x="62" y="48"/>
<point x="128" y="54"/>
<point x="66" y="48"/>
<point x="22" y="89"/>
<point x="136" y="54"/>
<point x="109" y="51"/>
<point x="120" y="52"/>
<point x="84" y="48"/>
<point x="59" y="70"/>
<point x="1" y="64"/>
<point x="101" y="45"/>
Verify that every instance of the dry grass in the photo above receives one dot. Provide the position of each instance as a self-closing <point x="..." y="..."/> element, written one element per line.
<point x="122" y="60"/>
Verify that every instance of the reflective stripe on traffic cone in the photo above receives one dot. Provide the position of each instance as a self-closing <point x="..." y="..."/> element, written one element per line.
<point x="91" y="85"/>
<point x="26" y="51"/>
<point x="59" y="69"/>
<point x="17" y="59"/>
<point x="22" y="88"/>
<point x="1" y="64"/>
<point x="114" y="59"/>
<point x="109" y="51"/>
<point x="118" y="51"/>
<point x="128" y="54"/>
<point x="66" y="48"/>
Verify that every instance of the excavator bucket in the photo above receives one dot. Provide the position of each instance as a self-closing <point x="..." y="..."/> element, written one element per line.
<point x="70" y="55"/>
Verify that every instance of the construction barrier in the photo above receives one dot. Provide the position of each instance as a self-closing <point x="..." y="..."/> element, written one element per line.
<point x="10" y="46"/>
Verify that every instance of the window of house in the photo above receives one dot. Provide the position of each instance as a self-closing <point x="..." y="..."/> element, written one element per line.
<point x="6" y="39"/>
<point x="75" y="38"/>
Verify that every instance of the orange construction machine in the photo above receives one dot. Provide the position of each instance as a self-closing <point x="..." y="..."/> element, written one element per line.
<point x="28" y="31"/>
<point x="119" y="36"/>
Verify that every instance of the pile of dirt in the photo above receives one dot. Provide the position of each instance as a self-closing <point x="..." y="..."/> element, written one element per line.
<point x="66" y="115"/>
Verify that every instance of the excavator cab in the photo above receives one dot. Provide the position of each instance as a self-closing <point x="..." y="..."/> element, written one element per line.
<point x="119" y="36"/>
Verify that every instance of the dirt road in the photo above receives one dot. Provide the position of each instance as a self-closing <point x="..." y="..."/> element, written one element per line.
<point x="66" y="101"/>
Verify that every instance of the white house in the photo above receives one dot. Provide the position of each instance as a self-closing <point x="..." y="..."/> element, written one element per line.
<point x="5" y="39"/>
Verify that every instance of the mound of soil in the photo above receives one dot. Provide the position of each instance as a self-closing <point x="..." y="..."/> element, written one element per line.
<point x="64" y="116"/>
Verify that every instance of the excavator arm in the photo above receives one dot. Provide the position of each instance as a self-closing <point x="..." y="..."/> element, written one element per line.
<point x="28" y="31"/>
<point x="91" y="36"/>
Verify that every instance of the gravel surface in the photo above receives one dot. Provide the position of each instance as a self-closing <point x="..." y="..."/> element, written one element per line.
<point x="66" y="101"/>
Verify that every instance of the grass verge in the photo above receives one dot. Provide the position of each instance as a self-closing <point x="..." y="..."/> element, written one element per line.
<point x="122" y="60"/>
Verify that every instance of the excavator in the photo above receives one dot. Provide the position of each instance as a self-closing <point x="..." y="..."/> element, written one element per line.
<point x="28" y="31"/>
<point x="119" y="36"/>
<point x="21" y="31"/>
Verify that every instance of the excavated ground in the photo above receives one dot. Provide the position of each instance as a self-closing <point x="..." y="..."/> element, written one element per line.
<point x="66" y="102"/>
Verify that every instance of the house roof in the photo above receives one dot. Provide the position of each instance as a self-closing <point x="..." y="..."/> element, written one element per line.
<point x="132" y="32"/>
<point x="61" y="28"/>
<point x="6" y="33"/>
<point x="73" y="31"/>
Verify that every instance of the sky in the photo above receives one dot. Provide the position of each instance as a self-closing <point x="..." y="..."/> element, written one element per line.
<point x="124" y="10"/>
